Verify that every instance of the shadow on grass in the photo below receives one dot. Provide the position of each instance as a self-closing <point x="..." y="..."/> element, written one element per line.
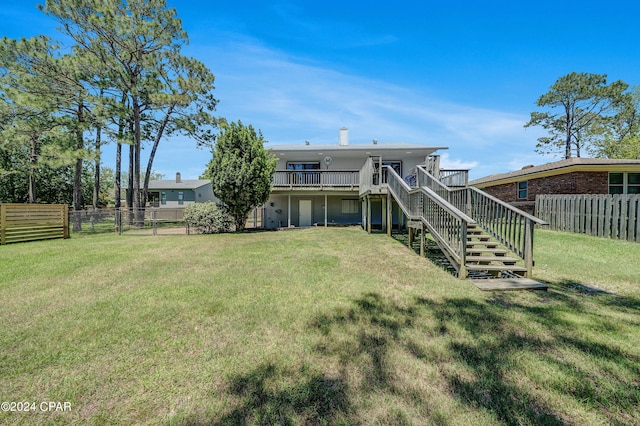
<point x="486" y="343"/>
<point x="529" y="358"/>
<point x="316" y="399"/>
<point x="431" y="249"/>
<point x="268" y="396"/>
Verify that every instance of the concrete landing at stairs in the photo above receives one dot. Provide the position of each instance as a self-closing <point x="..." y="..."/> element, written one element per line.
<point x="505" y="284"/>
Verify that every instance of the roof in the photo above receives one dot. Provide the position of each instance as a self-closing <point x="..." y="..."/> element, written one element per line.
<point x="385" y="146"/>
<point x="184" y="184"/>
<point x="559" y="167"/>
<point x="353" y="150"/>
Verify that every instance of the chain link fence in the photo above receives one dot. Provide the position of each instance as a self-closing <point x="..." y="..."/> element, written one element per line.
<point x="148" y="221"/>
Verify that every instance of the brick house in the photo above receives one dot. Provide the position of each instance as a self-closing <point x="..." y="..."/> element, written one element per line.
<point x="572" y="176"/>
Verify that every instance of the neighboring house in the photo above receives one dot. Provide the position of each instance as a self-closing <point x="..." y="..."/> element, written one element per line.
<point x="572" y="176"/>
<point x="319" y="184"/>
<point x="179" y="193"/>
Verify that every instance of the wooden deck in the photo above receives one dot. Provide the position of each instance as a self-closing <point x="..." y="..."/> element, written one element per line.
<point x="506" y="284"/>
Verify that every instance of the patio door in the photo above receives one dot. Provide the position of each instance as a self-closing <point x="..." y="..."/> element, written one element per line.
<point x="304" y="213"/>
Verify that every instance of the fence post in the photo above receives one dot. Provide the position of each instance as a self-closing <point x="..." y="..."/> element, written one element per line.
<point x="119" y="221"/>
<point x="65" y="219"/>
<point x="154" y="221"/>
<point x="3" y="224"/>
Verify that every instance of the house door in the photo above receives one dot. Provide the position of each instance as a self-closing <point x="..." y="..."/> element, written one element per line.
<point x="304" y="213"/>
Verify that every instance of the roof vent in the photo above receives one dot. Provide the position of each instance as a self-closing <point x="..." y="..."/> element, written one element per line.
<point x="528" y="167"/>
<point x="344" y="136"/>
<point x="307" y="142"/>
<point x="178" y="178"/>
<point x="375" y="141"/>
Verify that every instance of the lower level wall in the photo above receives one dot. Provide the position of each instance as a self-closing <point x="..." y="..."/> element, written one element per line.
<point x="276" y="211"/>
<point x="277" y="215"/>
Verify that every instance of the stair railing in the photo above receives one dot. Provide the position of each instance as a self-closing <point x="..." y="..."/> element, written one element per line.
<point x="445" y="223"/>
<point x="512" y="227"/>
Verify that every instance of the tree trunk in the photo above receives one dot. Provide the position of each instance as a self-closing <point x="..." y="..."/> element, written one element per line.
<point x="118" y="173"/>
<point x="138" y="204"/>
<point x="77" y="176"/>
<point x="130" y="186"/>
<point x="240" y="221"/>
<point x="96" y="176"/>
<point x="118" y="177"/>
<point x="567" y="149"/>
<point x="152" y="155"/>
<point x="33" y="159"/>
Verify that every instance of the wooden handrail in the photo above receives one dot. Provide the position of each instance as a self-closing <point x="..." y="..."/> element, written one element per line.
<point x="509" y="225"/>
<point x="447" y="224"/>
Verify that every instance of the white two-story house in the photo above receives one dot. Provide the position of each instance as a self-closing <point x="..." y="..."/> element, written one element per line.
<point x="320" y="184"/>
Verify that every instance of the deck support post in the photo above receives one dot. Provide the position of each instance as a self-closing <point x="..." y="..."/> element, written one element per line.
<point x="369" y="214"/>
<point x="289" y="211"/>
<point x="411" y="237"/>
<point x="384" y="213"/>
<point x="528" y="247"/>
<point x="326" y="209"/>
<point x="389" y="213"/>
<point x="422" y="240"/>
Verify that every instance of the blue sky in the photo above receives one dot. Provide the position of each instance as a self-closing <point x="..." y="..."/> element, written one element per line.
<point x="462" y="74"/>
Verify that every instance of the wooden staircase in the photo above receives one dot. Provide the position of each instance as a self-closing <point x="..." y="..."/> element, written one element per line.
<point x="485" y="257"/>
<point x="479" y="235"/>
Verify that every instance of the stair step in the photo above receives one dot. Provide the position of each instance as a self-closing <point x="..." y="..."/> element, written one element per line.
<point x="488" y="244"/>
<point x="481" y="237"/>
<point x="474" y="231"/>
<point x="502" y="259"/>
<point x="512" y="268"/>
<point x="477" y="251"/>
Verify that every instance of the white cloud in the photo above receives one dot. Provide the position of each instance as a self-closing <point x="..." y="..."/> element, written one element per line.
<point x="292" y="99"/>
<point x="287" y="96"/>
<point x="446" y="162"/>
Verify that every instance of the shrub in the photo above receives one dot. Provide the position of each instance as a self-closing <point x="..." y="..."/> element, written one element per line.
<point x="208" y="218"/>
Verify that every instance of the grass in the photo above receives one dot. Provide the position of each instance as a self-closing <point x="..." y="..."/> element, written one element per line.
<point x="318" y="326"/>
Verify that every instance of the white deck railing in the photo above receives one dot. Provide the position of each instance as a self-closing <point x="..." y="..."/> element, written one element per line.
<point x="454" y="178"/>
<point x="316" y="179"/>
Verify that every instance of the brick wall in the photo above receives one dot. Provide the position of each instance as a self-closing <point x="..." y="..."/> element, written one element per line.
<point x="569" y="183"/>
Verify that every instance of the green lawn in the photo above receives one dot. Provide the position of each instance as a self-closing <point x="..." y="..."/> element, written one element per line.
<point x="317" y="326"/>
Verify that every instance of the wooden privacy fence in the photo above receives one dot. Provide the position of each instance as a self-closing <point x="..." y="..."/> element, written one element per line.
<point x="28" y="222"/>
<point x="610" y="216"/>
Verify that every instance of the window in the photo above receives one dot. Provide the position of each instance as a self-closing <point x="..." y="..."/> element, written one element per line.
<point x="616" y="183"/>
<point x="181" y="198"/>
<point x="395" y="165"/>
<point x="523" y="190"/>
<point x="163" y="198"/>
<point x="303" y="173"/>
<point x="311" y="165"/>
<point x="624" y="183"/>
<point x="350" y="207"/>
<point x="633" y="183"/>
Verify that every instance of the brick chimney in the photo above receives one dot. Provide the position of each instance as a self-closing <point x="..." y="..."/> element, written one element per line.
<point x="178" y="178"/>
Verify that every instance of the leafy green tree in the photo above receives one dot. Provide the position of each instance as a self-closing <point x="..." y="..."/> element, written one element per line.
<point x="27" y="109"/>
<point x="621" y="137"/>
<point x="136" y="45"/>
<point x="241" y="170"/>
<point x="586" y="104"/>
